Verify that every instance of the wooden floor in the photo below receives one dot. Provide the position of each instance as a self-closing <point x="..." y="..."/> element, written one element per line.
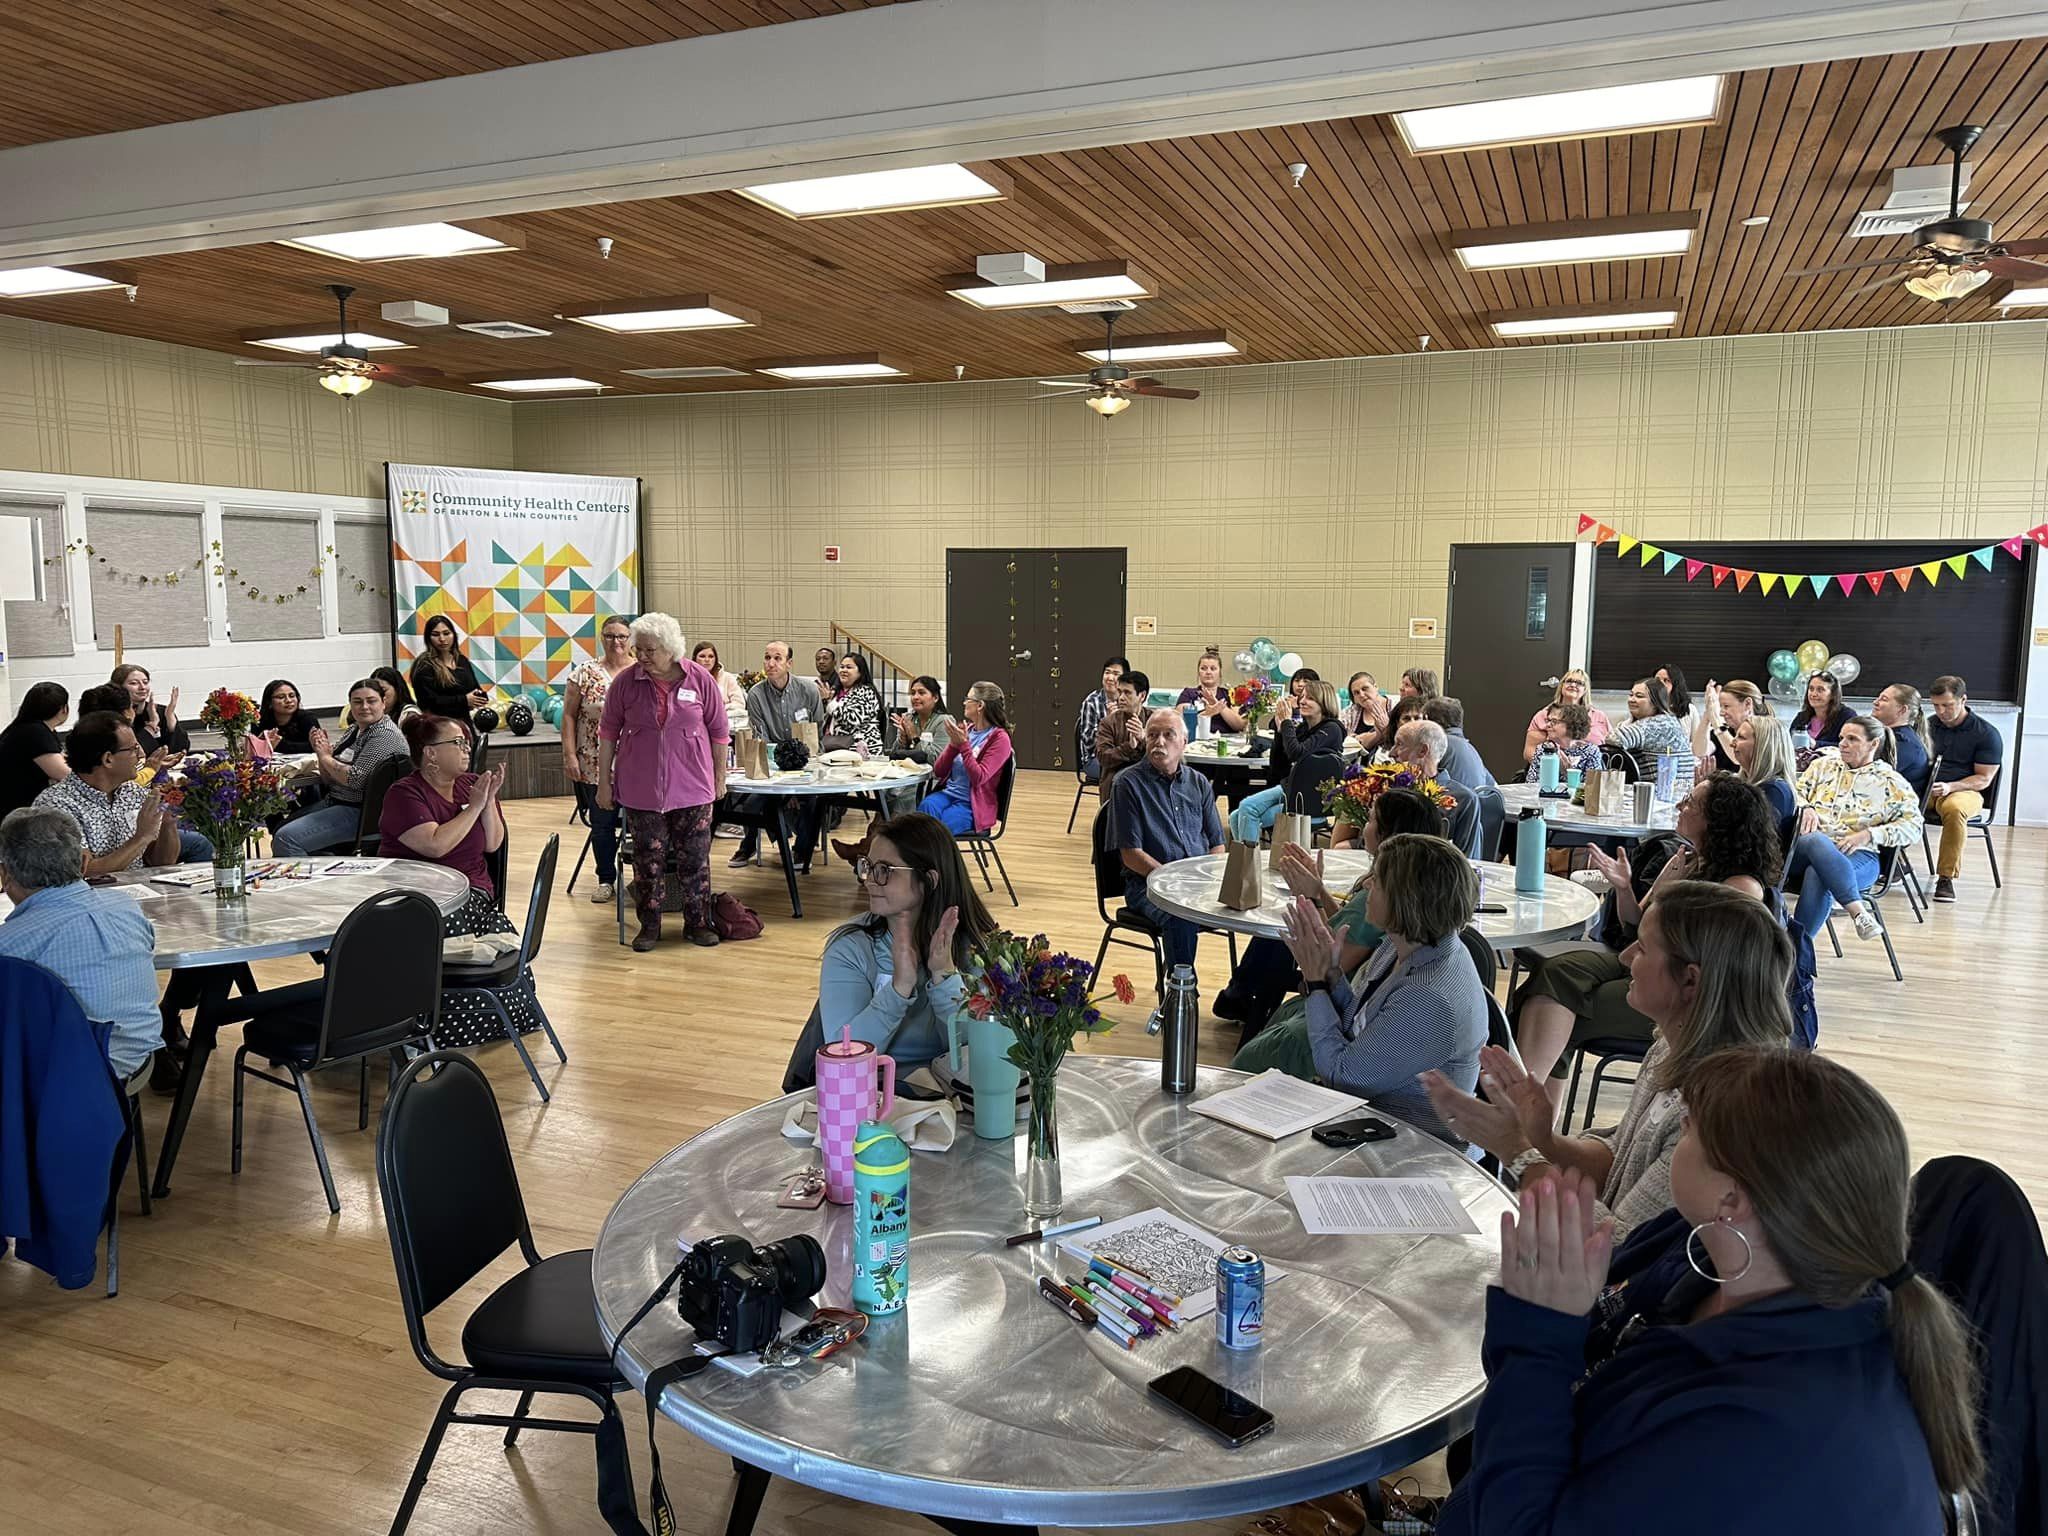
<point x="253" y="1375"/>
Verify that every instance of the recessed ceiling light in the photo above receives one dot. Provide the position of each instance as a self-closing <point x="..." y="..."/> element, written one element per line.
<point x="407" y="242"/>
<point x="2019" y="298"/>
<point x="313" y="343"/>
<point x="35" y="282"/>
<point x="1062" y="285"/>
<point x="676" y="312"/>
<point x="1756" y="221"/>
<point x="1563" y="115"/>
<point x="918" y="186"/>
<point x="1163" y="348"/>
<point x="1533" y="250"/>
<point x="859" y="365"/>
<point x="536" y="386"/>
<point x="706" y="371"/>
<point x="502" y="330"/>
<point x="1572" y="325"/>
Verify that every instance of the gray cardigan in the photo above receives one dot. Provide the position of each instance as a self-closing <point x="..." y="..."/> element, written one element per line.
<point x="1428" y="1014"/>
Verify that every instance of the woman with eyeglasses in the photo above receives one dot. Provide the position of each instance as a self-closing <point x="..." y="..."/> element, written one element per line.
<point x="893" y="976"/>
<point x="582" y="709"/>
<point x="1573" y="688"/>
<point x="441" y="813"/>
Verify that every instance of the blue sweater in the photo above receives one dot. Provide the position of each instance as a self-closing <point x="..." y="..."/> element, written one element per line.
<point x="1783" y="1415"/>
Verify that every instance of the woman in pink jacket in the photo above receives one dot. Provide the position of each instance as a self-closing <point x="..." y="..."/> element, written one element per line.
<point x="967" y="770"/>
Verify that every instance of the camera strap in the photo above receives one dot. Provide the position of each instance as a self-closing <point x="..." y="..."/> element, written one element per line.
<point x="614" y="1475"/>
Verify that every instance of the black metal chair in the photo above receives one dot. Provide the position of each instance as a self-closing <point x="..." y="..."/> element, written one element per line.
<point x="1109" y="882"/>
<point x="983" y="844"/>
<point x="1607" y="1054"/>
<point x="452" y="1207"/>
<point x="1889" y="862"/>
<point x="1083" y="782"/>
<point x="375" y="788"/>
<point x="513" y="973"/>
<point x="479" y="750"/>
<point x="1493" y="815"/>
<point x="1979" y="823"/>
<point x="381" y="993"/>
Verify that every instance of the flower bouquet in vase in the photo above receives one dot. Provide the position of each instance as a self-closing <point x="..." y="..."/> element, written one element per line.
<point x="234" y="715"/>
<point x="1044" y="1000"/>
<point x="1255" y="700"/>
<point x="229" y="799"/>
<point x="1350" y="798"/>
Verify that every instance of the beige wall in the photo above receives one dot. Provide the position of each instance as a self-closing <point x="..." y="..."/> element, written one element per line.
<point x="83" y="402"/>
<point x="1315" y="502"/>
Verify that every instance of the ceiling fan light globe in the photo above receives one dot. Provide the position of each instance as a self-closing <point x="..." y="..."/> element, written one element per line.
<point x="1108" y="405"/>
<point x="347" y="385"/>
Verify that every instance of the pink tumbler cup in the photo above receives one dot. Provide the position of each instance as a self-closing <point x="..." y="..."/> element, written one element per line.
<point x="847" y="1090"/>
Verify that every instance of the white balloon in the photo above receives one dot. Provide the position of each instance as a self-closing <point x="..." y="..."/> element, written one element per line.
<point x="1290" y="663"/>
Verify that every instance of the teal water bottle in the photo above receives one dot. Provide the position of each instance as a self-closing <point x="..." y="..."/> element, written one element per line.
<point x="881" y="1219"/>
<point x="1531" y="833"/>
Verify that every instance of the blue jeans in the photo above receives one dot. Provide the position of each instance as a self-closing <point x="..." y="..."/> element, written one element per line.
<point x="958" y="815"/>
<point x="328" y="825"/>
<point x="604" y="833"/>
<point x="194" y="847"/>
<point x="1256" y="814"/>
<point x="1180" y="933"/>
<point x="1823" y="876"/>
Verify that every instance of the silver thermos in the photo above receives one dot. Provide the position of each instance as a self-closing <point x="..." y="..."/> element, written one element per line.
<point x="1180" y="1014"/>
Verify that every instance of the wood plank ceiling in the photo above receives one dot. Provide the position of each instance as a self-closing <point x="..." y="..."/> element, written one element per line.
<point x="74" y="67"/>
<point x="1354" y="263"/>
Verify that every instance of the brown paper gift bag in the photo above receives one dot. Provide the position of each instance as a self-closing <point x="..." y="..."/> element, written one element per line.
<point x="805" y="731"/>
<point x="1605" y="789"/>
<point x="1291" y="827"/>
<point x="753" y="756"/>
<point x="1240" y="890"/>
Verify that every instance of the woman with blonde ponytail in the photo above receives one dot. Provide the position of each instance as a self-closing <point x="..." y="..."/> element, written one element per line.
<point x="1763" y="1357"/>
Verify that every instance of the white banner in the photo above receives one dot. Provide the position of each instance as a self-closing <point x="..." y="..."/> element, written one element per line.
<point x="527" y="566"/>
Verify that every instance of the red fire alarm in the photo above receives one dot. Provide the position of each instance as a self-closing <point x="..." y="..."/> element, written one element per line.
<point x="831" y="554"/>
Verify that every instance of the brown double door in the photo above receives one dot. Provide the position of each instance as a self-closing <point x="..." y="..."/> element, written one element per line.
<point x="1038" y="622"/>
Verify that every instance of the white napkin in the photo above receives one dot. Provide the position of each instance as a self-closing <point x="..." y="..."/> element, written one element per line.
<point x="924" y="1127"/>
<point x="478" y="949"/>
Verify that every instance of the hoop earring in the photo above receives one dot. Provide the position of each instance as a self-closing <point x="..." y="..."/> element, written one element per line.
<point x="1748" y="1253"/>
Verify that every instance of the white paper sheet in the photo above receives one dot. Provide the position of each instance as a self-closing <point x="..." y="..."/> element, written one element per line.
<point x="1274" y="1105"/>
<point x="739" y="1365"/>
<point x="1378" y="1206"/>
<point x="1180" y="1258"/>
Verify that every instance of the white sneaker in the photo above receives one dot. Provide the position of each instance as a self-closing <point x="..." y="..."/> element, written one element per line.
<point x="603" y="894"/>
<point x="1867" y="925"/>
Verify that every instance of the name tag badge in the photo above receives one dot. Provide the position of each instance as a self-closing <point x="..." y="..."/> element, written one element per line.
<point x="802" y="714"/>
<point x="686" y="695"/>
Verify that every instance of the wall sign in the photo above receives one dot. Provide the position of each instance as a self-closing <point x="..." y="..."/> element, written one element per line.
<point x="1422" y="629"/>
<point x="831" y="554"/>
<point x="1145" y="624"/>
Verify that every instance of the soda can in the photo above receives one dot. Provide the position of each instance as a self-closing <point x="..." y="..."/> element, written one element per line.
<point x="1240" y="1298"/>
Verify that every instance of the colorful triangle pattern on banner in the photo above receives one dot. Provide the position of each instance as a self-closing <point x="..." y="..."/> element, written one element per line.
<point x="1846" y="582"/>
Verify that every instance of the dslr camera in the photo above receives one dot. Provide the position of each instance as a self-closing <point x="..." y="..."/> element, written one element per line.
<point x="736" y="1293"/>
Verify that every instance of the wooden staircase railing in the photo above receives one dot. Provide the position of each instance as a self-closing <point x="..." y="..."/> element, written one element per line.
<point x="891" y="677"/>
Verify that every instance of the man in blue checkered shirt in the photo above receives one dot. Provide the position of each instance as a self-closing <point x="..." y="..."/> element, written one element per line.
<point x="97" y="943"/>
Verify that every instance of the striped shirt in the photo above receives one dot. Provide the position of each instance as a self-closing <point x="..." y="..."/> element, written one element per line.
<point x="99" y="945"/>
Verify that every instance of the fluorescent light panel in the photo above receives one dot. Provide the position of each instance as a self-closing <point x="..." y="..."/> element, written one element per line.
<point x="1571" y="325"/>
<point x="537" y="386"/>
<point x="36" y="282"/>
<point x="695" y="317"/>
<point x="1563" y="115"/>
<point x="874" y="370"/>
<point x="1163" y="349"/>
<point x="310" y="344"/>
<point x="920" y="186"/>
<point x="704" y="371"/>
<point x="2020" y="298"/>
<point x="1113" y="285"/>
<point x="1560" y="252"/>
<point x="404" y="243"/>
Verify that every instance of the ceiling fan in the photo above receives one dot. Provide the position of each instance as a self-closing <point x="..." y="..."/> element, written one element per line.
<point x="1110" y="388"/>
<point x="345" y="369"/>
<point x="1954" y="256"/>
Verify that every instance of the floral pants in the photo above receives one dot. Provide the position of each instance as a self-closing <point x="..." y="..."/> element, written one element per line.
<point x="685" y="834"/>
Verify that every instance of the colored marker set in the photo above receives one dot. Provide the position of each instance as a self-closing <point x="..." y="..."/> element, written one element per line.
<point x="1117" y="1302"/>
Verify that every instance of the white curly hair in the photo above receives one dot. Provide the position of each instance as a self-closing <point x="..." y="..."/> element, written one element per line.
<point x="662" y="630"/>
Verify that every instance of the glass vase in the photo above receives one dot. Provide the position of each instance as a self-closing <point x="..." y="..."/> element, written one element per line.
<point x="1042" y="1198"/>
<point x="231" y="876"/>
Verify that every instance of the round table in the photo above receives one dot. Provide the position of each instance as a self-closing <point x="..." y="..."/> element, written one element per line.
<point x="1188" y="888"/>
<point x="981" y="1401"/>
<point x="1563" y="816"/>
<point x="802" y="785"/>
<point x="280" y="918"/>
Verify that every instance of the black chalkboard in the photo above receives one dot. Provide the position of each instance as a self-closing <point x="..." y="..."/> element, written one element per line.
<point x="1973" y="627"/>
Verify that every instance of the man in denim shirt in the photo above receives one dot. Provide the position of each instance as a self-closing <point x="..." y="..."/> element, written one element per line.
<point x="1163" y="811"/>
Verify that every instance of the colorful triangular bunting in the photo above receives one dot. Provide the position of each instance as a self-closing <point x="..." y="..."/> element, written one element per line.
<point x="1903" y="575"/>
<point x="1603" y="534"/>
<point x="1820" y="585"/>
<point x="1626" y="543"/>
<point x="1586" y="523"/>
<point x="1955" y="564"/>
<point x="1771" y="579"/>
<point x="2014" y="545"/>
<point x="1649" y="552"/>
<point x="1983" y="556"/>
<point x="1874" y="580"/>
<point x="1743" y="579"/>
<point x="1670" y="561"/>
<point x="1693" y="568"/>
<point x="1722" y="573"/>
<point x="1932" y="571"/>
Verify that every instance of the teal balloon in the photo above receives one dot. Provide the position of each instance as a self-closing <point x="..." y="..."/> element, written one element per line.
<point x="552" y="711"/>
<point x="1277" y="674"/>
<point x="538" y="698"/>
<point x="1783" y="665"/>
<point x="1265" y="653"/>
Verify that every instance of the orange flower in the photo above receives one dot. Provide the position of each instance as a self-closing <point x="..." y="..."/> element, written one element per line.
<point x="1125" y="992"/>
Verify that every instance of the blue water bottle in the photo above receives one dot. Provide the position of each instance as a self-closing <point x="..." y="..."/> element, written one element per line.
<point x="1191" y="717"/>
<point x="881" y="1219"/>
<point x="1531" y="832"/>
<point x="1548" y="766"/>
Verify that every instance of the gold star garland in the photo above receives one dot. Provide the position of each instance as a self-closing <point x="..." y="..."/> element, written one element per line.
<point x="221" y="571"/>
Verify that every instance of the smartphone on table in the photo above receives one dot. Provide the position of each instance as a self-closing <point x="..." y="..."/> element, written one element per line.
<point x="1353" y="1133"/>
<point x="1230" y="1416"/>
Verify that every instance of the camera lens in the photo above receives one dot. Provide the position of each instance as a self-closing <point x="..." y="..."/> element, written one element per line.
<point x="798" y="1264"/>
